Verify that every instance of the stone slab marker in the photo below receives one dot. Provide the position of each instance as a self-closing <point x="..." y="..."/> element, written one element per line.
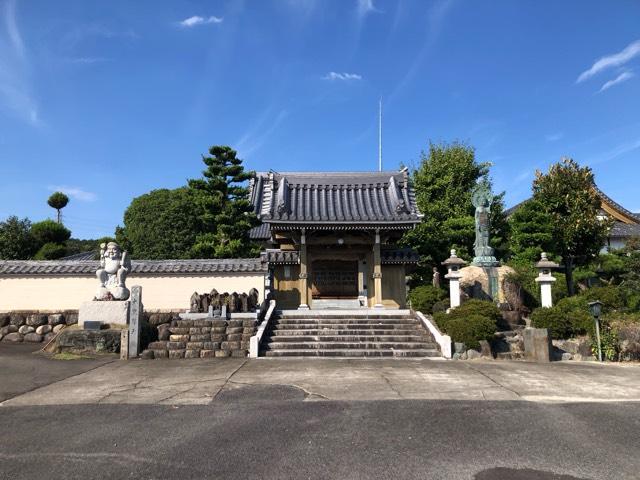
<point x="537" y="345"/>
<point x="135" y="317"/>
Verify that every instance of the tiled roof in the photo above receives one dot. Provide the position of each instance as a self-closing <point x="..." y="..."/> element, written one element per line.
<point x="81" y="256"/>
<point x="401" y="255"/>
<point x="281" y="257"/>
<point x="335" y="198"/>
<point x="620" y="229"/>
<point x="616" y="205"/>
<point x="139" y="267"/>
<point x="261" y="232"/>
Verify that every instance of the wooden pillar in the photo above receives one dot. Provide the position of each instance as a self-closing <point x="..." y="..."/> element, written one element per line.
<point x="304" y="303"/>
<point x="377" y="272"/>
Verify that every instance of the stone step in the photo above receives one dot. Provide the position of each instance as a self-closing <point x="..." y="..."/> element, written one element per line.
<point x="350" y="346"/>
<point x="346" y="326"/>
<point x="352" y="338"/>
<point x="346" y="331"/>
<point x="348" y="321"/>
<point x="351" y="353"/>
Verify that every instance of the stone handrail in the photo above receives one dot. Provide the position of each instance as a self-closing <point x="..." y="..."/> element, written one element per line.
<point x="443" y="340"/>
<point x="254" y="342"/>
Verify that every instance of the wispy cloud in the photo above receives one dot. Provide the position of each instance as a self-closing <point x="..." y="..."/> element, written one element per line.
<point x="15" y="86"/>
<point x="616" y="152"/>
<point x="611" y="61"/>
<point x="198" y="20"/>
<point x="88" y="60"/>
<point x="366" y="7"/>
<point x="74" y="192"/>
<point x="554" y="137"/>
<point x="342" y="76"/>
<point x="255" y="137"/>
<point x="623" y="77"/>
<point x="436" y="16"/>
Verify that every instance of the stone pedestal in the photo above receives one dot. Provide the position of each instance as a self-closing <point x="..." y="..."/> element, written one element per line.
<point x="537" y="345"/>
<point x="116" y="313"/>
<point x="454" y="288"/>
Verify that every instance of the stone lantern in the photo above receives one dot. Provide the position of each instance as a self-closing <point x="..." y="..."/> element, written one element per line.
<point x="545" y="279"/>
<point x="453" y="264"/>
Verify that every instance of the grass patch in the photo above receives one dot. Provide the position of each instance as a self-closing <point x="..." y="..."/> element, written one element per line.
<point x="70" y="356"/>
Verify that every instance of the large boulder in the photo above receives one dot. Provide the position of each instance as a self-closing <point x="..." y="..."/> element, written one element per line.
<point x="101" y="341"/>
<point x="8" y="329"/>
<point x="56" y="319"/>
<point x="16" y="319"/>
<point x="33" y="338"/>
<point x="43" y="329"/>
<point x="4" y="320"/>
<point x="71" y="318"/>
<point x="25" y="329"/>
<point x="36" y="319"/>
<point x="13" y="337"/>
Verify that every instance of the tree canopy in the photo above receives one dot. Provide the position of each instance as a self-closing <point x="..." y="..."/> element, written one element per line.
<point x="58" y="200"/>
<point x="16" y="240"/>
<point x="208" y="218"/>
<point x="531" y="232"/>
<point x="567" y="194"/>
<point x="443" y="183"/>
<point x="162" y="224"/>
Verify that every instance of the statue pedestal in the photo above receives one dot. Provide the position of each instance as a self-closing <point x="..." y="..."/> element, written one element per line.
<point x="114" y="312"/>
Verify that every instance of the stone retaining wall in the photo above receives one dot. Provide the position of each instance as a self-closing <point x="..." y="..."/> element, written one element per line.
<point x="34" y="326"/>
<point x="203" y="338"/>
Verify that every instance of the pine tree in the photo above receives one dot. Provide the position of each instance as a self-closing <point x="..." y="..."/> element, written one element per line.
<point x="228" y="213"/>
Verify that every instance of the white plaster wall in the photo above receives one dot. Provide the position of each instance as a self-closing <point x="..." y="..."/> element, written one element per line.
<point x="158" y="292"/>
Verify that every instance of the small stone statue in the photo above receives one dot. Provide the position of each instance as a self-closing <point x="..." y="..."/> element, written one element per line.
<point x="435" y="280"/>
<point x="194" y="303"/>
<point x="112" y="274"/>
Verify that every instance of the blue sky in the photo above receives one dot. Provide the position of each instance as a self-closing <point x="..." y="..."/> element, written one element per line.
<point x="108" y="100"/>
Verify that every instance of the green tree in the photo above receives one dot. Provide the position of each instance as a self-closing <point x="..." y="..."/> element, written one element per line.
<point x="162" y="224"/>
<point x="50" y="238"/>
<point x="16" y="240"/>
<point x="531" y="232"/>
<point x="567" y="194"/>
<point x="228" y="213"/>
<point x="443" y="182"/>
<point x="58" y="200"/>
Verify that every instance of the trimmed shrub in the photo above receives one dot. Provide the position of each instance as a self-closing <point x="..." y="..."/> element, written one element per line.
<point x="483" y="308"/>
<point x="441" y="306"/>
<point x="553" y="319"/>
<point x="51" y="251"/>
<point x="424" y="297"/>
<point x="612" y="297"/>
<point x="48" y="231"/>
<point x="470" y="329"/>
<point x="580" y="322"/>
<point x="570" y="304"/>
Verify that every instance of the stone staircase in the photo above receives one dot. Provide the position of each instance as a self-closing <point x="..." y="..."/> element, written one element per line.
<point x="353" y="334"/>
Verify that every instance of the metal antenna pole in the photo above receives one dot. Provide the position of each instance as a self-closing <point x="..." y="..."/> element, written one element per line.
<point x="380" y="135"/>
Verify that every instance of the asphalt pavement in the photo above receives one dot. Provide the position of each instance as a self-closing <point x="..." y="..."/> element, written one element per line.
<point x="248" y="419"/>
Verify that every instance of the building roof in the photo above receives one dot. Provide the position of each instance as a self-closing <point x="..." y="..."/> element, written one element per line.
<point x="139" y="267"/>
<point x="624" y="230"/>
<point x="81" y="256"/>
<point x="261" y="232"/>
<point x="364" y="199"/>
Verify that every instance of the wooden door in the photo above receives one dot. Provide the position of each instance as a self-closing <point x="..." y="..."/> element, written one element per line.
<point x="334" y="279"/>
